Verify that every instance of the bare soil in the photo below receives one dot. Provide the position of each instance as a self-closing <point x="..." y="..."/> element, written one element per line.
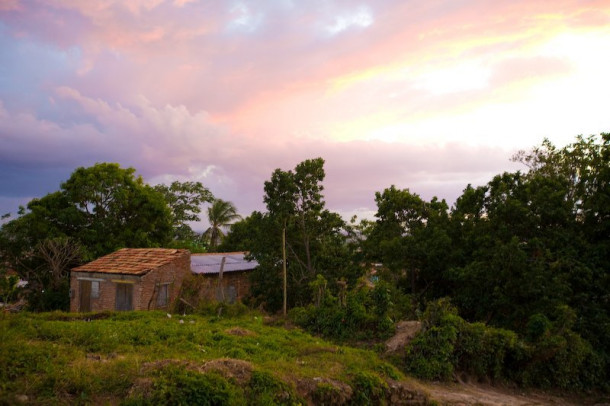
<point x="466" y="394"/>
<point x="405" y="331"/>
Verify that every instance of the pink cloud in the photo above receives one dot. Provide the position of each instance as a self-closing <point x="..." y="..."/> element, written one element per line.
<point x="201" y="90"/>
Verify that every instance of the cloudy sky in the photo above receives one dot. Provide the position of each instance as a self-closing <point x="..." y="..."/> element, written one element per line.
<point x="428" y="95"/>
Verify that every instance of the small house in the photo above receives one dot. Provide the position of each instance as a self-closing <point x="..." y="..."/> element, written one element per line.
<point x="223" y="276"/>
<point x="129" y="279"/>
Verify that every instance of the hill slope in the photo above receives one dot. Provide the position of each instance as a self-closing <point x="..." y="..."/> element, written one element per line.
<point x="148" y="357"/>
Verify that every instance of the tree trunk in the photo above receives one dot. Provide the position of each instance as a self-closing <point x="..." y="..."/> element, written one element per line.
<point x="220" y="284"/>
<point x="284" y="275"/>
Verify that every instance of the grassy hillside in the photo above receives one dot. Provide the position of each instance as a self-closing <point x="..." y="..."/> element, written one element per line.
<point x="150" y="358"/>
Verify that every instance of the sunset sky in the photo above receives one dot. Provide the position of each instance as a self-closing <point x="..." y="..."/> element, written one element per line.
<point x="428" y="95"/>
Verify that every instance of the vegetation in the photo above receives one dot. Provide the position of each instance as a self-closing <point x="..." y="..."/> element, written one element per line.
<point x="298" y="234"/>
<point x="184" y="200"/>
<point x="511" y="282"/>
<point x="138" y="358"/>
<point x="220" y="214"/>
<point x="360" y="314"/>
<point x="554" y="356"/>
<point x="96" y="211"/>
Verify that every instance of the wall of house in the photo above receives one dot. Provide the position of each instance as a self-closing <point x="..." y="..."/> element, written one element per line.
<point x="172" y="274"/>
<point x="107" y="289"/>
<point x="238" y="280"/>
<point x="145" y="288"/>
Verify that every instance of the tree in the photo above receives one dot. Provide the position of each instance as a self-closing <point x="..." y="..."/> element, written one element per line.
<point x="49" y="280"/>
<point x="220" y="214"/>
<point x="410" y="238"/>
<point x="106" y="207"/>
<point x="307" y="239"/>
<point x="184" y="200"/>
<point x="280" y="196"/>
<point x="532" y="243"/>
<point x="100" y="209"/>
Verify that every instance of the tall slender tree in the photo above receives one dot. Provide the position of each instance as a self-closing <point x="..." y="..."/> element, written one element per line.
<point x="220" y="214"/>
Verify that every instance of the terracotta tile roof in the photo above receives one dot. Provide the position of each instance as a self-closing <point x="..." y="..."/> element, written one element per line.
<point x="132" y="261"/>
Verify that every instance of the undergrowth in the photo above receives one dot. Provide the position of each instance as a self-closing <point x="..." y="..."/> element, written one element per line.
<point x="150" y="358"/>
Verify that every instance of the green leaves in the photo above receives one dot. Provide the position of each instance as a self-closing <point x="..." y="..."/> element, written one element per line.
<point x="184" y="200"/>
<point x="220" y="214"/>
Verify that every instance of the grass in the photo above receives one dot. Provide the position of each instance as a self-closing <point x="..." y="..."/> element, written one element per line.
<point x="149" y="358"/>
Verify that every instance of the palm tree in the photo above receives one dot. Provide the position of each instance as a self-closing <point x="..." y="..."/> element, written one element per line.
<point x="220" y="214"/>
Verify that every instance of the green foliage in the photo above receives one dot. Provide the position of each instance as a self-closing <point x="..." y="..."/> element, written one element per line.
<point x="266" y="389"/>
<point x="316" y="241"/>
<point x="527" y="252"/>
<point x="9" y="288"/>
<point x="485" y="352"/>
<point x="557" y="358"/>
<point x="364" y="314"/>
<point x="103" y="207"/>
<point x="147" y="358"/>
<point x="184" y="200"/>
<point x="178" y="386"/>
<point x="368" y="389"/>
<point x="411" y="239"/>
<point x="220" y="214"/>
<point x="431" y="354"/>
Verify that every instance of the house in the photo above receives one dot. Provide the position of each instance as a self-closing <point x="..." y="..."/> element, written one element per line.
<point x="129" y="279"/>
<point x="222" y="276"/>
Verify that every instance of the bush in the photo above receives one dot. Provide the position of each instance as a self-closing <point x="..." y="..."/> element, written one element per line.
<point x="364" y="315"/>
<point x="430" y="355"/>
<point x="369" y="389"/>
<point x="483" y="351"/>
<point x="178" y="386"/>
<point x="557" y="358"/>
<point x="265" y="389"/>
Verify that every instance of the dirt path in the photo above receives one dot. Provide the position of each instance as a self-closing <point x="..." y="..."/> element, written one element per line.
<point x="465" y="394"/>
<point x="405" y="331"/>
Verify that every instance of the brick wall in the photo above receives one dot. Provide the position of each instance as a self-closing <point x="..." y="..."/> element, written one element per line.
<point x="171" y="274"/>
<point x="107" y="289"/>
<point x="145" y="288"/>
<point x="239" y="280"/>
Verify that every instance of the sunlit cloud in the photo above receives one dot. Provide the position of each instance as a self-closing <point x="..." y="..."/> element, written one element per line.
<point x="359" y="18"/>
<point x="244" y="19"/>
<point x="424" y="95"/>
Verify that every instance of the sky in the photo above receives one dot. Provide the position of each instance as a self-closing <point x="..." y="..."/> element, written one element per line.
<point x="429" y="95"/>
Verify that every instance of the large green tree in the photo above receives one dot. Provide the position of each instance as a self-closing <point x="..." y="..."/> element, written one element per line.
<point x="99" y="209"/>
<point x="410" y="237"/>
<point x="185" y="200"/>
<point x="296" y="232"/>
<point x="532" y="243"/>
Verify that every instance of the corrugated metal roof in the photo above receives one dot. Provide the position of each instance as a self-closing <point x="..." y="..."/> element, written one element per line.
<point x="210" y="263"/>
<point x="132" y="261"/>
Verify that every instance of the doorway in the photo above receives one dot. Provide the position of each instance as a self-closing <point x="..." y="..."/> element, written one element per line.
<point x="124" y="296"/>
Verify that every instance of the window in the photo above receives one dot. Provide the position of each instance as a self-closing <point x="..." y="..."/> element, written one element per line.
<point x="95" y="289"/>
<point x="163" y="295"/>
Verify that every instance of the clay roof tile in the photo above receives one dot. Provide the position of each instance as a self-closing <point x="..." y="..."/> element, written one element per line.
<point x="132" y="261"/>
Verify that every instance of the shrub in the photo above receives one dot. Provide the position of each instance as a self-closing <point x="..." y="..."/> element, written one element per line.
<point x="369" y="389"/>
<point x="364" y="315"/>
<point x="482" y="351"/>
<point x="430" y="354"/>
<point x="178" y="386"/>
<point x="266" y="389"/>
